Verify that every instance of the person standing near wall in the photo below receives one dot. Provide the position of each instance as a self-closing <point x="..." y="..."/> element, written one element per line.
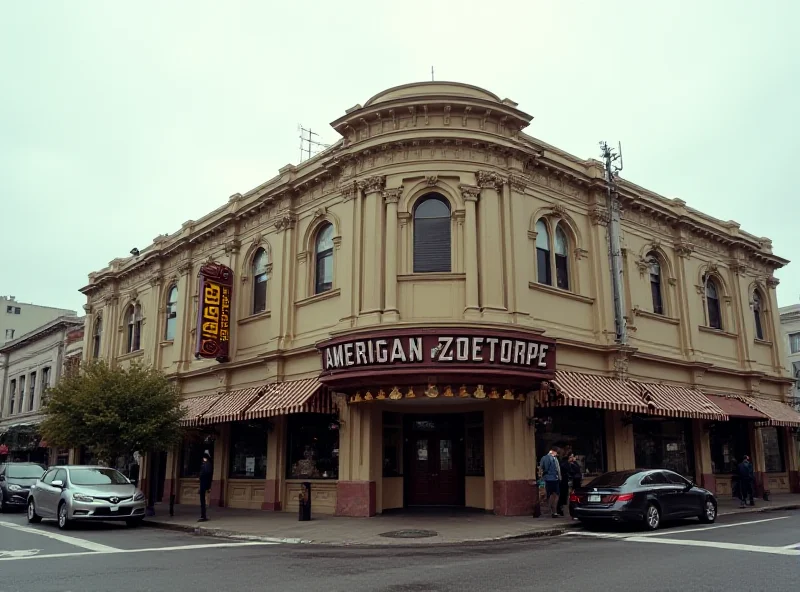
<point x="551" y="474"/>
<point x="206" y="475"/>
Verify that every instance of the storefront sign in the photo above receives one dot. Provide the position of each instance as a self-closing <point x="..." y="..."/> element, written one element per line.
<point x="214" y="312"/>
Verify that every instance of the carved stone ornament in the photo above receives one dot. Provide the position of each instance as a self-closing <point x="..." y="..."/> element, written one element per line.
<point x="320" y="212"/>
<point x="257" y="239"/>
<point x="133" y="294"/>
<point x="372" y="184"/>
<point x="684" y="248"/>
<point x="489" y="180"/>
<point x="285" y="222"/>
<point x="599" y="216"/>
<point x="772" y="282"/>
<point x="432" y="180"/>
<point x="470" y="192"/>
<point x="579" y="253"/>
<point x="643" y="265"/>
<point x="232" y="246"/>
<point x="712" y="268"/>
<point x="518" y="182"/>
<point x="185" y="267"/>
<point x="156" y="279"/>
<point x="348" y="190"/>
<point x="559" y="209"/>
<point x="392" y="195"/>
<point x="621" y="366"/>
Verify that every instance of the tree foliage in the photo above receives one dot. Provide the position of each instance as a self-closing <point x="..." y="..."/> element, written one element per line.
<point x="114" y="411"/>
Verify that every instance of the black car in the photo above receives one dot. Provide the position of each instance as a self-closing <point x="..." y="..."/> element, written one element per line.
<point x="646" y="496"/>
<point x="16" y="479"/>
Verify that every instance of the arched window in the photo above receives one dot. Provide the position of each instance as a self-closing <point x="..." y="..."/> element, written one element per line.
<point x="712" y="304"/>
<point x="655" y="283"/>
<point x="543" y="273"/>
<point x="97" y="336"/>
<point x="171" y="313"/>
<point x="758" y="315"/>
<point x="432" y="235"/>
<point x="260" y="281"/>
<point x="323" y="253"/>
<point x="562" y="259"/>
<point x="134" y="322"/>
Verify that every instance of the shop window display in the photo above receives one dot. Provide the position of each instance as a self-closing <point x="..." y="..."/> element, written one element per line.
<point x="774" y="461"/>
<point x="392" y="445"/>
<point x="664" y="444"/>
<point x="248" y="450"/>
<point x="313" y="451"/>
<point x="581" y="430"/>
<point x="474" y="445"/>
<point x="192" y="456"/>
<point x="729" y="444"/>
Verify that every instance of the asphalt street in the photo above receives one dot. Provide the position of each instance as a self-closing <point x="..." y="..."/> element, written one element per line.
<point x="749" y="552"/>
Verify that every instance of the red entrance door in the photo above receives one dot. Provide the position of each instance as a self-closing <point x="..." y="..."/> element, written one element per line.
<point x="434" y="459"/>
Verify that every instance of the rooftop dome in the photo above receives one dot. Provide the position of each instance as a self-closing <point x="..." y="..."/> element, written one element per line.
<point x="422" y="89"/>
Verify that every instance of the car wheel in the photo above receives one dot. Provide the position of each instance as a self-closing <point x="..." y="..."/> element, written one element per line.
<point x="63" y="518"/>
<point x="33" y="517"/>
<point x="134" y="522"/>
<point x="709" y="514"/>
<point x="652" y="518"/>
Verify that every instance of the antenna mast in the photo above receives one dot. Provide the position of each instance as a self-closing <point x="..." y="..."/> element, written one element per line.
<point x="613" y="165"/>
<point x="309" y="145"/>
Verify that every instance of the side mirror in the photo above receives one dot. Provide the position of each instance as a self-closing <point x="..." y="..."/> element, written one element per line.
<point x="58" y="483"/>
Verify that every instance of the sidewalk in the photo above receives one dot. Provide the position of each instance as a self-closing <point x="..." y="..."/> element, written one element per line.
<point x="404" y="529"/>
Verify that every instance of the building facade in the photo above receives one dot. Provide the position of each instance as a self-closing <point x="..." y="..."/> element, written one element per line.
<point x="19" y="318"/>
<point x="790" y="327"/>
<point x="414" y="316"/>
<point x="30" y="365"/>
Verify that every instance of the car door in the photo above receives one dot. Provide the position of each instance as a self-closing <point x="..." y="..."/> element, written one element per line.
<point x="663" y="491"/>
<point x="43" y="494"/>
<point x="688" y="503"/>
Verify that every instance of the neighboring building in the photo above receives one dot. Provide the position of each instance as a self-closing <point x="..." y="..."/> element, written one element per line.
<point x="415" y="315"/>
<point x="30" y="365"/>
<point x="19" y="318"/>
<point x="790" y="326"/>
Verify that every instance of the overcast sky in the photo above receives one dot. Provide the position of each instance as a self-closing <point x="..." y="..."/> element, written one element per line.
<point x="119" y="121"/>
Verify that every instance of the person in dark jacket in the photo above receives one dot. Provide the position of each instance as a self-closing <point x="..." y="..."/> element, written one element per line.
<point x="575" y="472"/>
<point x="206" y="474"/>
<point x="746" y="481"/>
<point x="551" y="475"/>
<point x="563" y="491"/>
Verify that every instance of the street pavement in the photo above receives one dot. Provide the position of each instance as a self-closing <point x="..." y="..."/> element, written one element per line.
<point x="751" y="552"/>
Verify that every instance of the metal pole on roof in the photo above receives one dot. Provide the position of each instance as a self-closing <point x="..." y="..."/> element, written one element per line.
<point x="610" y="158"/>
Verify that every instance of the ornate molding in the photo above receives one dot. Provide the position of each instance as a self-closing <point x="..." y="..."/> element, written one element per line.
<point x="684" y="248"/>
<point x="392" y="195"/>
<point x="643" y="265"/>
<point x="156" y="279"/>
<point x="579" y="253"/>
<point x="373" y="184"/>
<point x="599" y="216"/>
<point x="287" y="221"/>
<point x="470" y="192"/>
<point x="320" y="212"/>
<point x="432" y="180"/>
<point x="772" y="282"/>
<point x="185" y="267"/>
<point x="348" y="190"/>
<point x="489" y="180"/>
<point x="518" y="182"/>
<point x="232" y="246"/>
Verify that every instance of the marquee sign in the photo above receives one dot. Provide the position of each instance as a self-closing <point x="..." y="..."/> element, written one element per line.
<point x="214" y="312"/>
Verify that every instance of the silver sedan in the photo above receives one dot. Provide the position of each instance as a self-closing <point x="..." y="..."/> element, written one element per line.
<point x="77" y="492"/>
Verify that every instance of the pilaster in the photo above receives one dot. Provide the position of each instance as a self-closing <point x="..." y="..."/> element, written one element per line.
<point x="391" y="313"/>
<point x="471" y="194"/>
<point x="372" y="253"/>
<point x="492" y="284"/>
<point x="284" y="297"/>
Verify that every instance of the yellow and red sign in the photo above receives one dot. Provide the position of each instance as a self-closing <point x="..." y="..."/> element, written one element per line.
<point x="214" y="312"/>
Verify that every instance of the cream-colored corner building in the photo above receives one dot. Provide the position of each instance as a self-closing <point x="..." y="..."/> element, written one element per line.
<point x="422" y="310"/>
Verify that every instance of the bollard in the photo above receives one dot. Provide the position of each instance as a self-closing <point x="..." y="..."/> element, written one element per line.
<point x="172" y="504"/>
<point x="305" y="502"/>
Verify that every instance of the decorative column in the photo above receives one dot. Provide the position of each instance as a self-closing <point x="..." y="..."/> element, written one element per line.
<point x="284" y="296"/>
<point x="187" y="319"/>
<point x="392" y="251"/>
<point x="491" y="239"/>
<point x="470" y="193"/>
<point x="372" y="250"/>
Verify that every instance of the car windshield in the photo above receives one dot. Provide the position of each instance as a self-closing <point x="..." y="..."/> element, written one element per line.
<point x="24" y="471"/>
<point x="613" y="479"/>
<point x="97" y="477"/>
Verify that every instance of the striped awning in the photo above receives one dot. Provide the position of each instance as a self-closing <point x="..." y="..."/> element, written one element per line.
<point x="195" y="407"/>
<point x="590" y="390"/>
<point x="678" y="401"/>
<point x="230" y="406"/>
<point x="735" y="407"/>
<point x="779" y="413"/>
<point x="293" y="396"/>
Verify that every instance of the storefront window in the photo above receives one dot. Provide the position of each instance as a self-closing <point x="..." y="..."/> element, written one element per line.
<point x="660" y="444"/>
<point x="62" y="456"/>
<point x="581" y="430"/>
<point x="729" y="444"/>
<point x="392" y="445"/>
<point x="773" y="450"/>
<point x="192" y="456"/>
<point x="313" y="451"/>
<point x="248" y="450"/>
<point x="474" y="444"/>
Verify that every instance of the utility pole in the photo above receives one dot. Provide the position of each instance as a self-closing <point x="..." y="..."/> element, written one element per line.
<point x="610" y="158"/>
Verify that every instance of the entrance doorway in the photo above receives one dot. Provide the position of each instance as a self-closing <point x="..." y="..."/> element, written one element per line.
<point x="434" y="460"/>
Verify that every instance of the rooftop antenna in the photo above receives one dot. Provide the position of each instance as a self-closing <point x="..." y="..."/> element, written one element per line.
<point x="432" y="74"/>
<point x="613" y="165"/>
<point x="309" y="145"/>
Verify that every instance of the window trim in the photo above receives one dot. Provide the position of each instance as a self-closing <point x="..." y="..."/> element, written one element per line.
<point x="790" y="335"/>
<point x="759" y="318"/>
<point x="422" y="199"/>
<point x="654" y="259"/>
<point x="553" y="225"/>
<point x="711" y="280"/>
<point x="133" y="323"/>
<point x="171" y="312"/>
<point x="321" y="256"/>
<point x="97" y="337"/>
<point x="255" y="274"/>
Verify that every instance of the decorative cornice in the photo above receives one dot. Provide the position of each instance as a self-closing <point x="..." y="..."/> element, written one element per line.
<point x="392" y="196"/>
<point x="518" y="182"/>
<point x="599" y="216"/>
<point x="348" y="190"/>
<point x="489" y="180"/>
<point x="684" y="248"/>
<point x="232" y="246"/>
<point x="373" y="184"/>
<point x="470" y="192"/>
<point x="772" y="282"/>
<point x="287" y="221"/>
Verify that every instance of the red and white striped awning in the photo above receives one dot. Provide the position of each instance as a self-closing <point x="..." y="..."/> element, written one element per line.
<point x="678" y="401"/>
<point x="293" y="396"/>
<point x="779" y="413"/>
<point x="195" y="407"/>
<point x="230" y="406"/>
<point x="576" y="389"/>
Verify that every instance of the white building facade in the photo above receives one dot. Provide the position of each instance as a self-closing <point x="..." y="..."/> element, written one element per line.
<point x="19" y="318"/>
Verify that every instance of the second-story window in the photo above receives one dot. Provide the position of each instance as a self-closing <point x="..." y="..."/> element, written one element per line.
<point x="21" y="406"/>
<point x="260" y="281"/>
<point x="654" y="268"/>
<point x="97" y="337"/>
<point x="543" y="272"/>
<point x="32" y="387"/>
<point x="794" y="343"/>
<point x="562" y="258"/>
<point x="171" y="313"/>
<point x="13" y="388"/>
<point x="713" y="310"/>
<point x="758" y="315"/>
<point x="432" y="235"/>
<point x="134" y="323"/>
<point x="45" y="378"/>
<point x="323" y="259"/>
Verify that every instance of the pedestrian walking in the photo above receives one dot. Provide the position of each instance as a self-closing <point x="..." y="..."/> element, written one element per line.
<point x="206" y="474"/>
<point x="746" y="482"/>
<point x="551" y="474"/>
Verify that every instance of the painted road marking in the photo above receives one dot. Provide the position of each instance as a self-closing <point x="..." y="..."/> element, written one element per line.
<point x="20" y="553"/>
<point x="151" y="550"/>
<point x="668" y="532"/>
<point x="715" y="545"/>
<point x="74" y="541"/>
<point x="792" y="546"/>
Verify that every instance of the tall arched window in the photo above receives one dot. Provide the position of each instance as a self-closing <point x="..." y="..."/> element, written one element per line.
<point x="758" y="315"/>
<point x="543" y="272"/>
<point x="713" y="309"/>
<point x="260" y="281"/>
<point x="134" y="322"/>
<point x="432" y="235"/>
<point x="323" y="263"/>
<point x="171" y="313"/>
<point x="562" y="259"/>
<point x="655" y="283"/>
<point x="97" y="335"/>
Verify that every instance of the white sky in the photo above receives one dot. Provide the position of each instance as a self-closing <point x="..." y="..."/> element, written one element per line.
<point x="119" y="121"/>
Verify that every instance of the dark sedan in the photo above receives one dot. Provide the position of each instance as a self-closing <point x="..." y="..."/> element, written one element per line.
<point x="16" y="479"/>
<point x="644" y="496"/>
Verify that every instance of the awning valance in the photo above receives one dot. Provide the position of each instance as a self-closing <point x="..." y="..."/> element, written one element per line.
<point x="231" y="406"/>
<point x="780" y="414"/>
<point x="293" y="396"/>
<point x="735" y="407"/>
<point x="195" y="407"/>
<point x="591" y="390"/>
<point x="678" y="401"/>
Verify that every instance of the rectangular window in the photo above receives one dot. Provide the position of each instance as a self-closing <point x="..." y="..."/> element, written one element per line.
<point x="192" y="456"/>
<point x="664" y="444"/>
<point x="392" y="445"/>
<point x="17" y="310"/>
<point x="313" y="450"/>
<point x="9" y="333"/>
<point x="581" y="430"/>
<point x="562" y="272"/>
<point x="729" y="443"/>
<point x="45" y="378"/>
<point x="21" y="405"/>
<point x="658" y="304"/>
<point x="774" y="461"/>
<point x="248" y="450"/>
<point x="13" y="388"/>
<point x="794" y="343"/>
<point x="432" y="251"/>
<point x="543" y="273"/>
<point x="32" y="386"/>
<point x="9" y="309"/>
<point x="474" y="444"/>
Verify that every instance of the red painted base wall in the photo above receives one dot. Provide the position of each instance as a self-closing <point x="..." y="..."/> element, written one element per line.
<point x="709" y="482"/>
<point x="356" y="498"/>
<point x="515" y="498"/>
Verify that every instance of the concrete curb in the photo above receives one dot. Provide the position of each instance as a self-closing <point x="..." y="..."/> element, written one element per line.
<point x="533" y="534"/>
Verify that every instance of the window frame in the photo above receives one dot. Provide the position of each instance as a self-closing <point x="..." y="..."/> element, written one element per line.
<point x="758" y="315"/>
<point x="32" y="389"/>
<point x="710" y="281"/>
<point x="558" y="270"/>
<point x="171" y="313"/>
<point x="796" y="337"/>
<point x="322" y="255"/>
<point x="656" y="283"/>
<point x="543" y="252"/>
<point x="134" y="328"/>
<point x="97" y="336"/>
<point x="562" y="275"/>
<point x="415" y="233"/>
<point x="12" y="395"/>
<point x="256" y="271"/>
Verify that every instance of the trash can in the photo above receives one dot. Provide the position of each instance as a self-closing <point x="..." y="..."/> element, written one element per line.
<point x="305" y="502"/>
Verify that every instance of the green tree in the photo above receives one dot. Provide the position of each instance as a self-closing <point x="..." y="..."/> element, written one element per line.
<point x="114" y="411"/>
